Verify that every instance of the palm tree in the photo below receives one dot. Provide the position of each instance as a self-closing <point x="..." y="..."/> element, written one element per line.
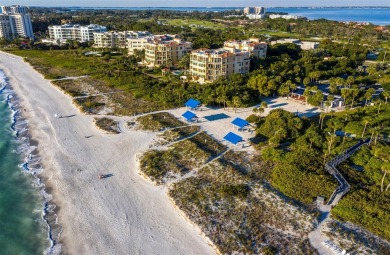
<point x="260" y="111"/>
<point x="386" y="95"/>
<point x="385" y="169"/>
<point x="350" y="80"/>
<point x="264" y="104"/>
<point x="354" y="94"/>
<point x="236" y="103"/>
<point x="368" y="95"/>
<point x="366" y="121"/>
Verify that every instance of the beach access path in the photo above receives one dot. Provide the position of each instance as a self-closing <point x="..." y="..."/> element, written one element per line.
<point x="121" y="214"/>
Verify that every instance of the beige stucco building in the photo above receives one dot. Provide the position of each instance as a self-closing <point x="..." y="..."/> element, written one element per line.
<point x="165" y="50"/>
<point x="119" y="39"/>
<point x="208" y="65"/>
<point x="253" y="46"/>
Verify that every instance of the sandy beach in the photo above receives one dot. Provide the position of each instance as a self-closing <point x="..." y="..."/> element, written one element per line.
<point x="122" y="214"/>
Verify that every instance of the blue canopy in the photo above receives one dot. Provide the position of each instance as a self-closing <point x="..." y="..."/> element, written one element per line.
<point x="240" y="122"/>
<point x="233" y="138"/>
<point x="192" y="103"/>
<point x="189" y="115"/>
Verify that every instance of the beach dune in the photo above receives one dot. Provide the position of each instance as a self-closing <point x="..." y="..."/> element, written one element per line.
<point x="121" y="214"/>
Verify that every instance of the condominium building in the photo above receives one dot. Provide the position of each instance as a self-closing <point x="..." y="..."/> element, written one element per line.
<point x="165" y="50"/>
<point x="257" y="12"/>
<point x="285" y="16"/>
<point x="117" y="39"/>
<point x="14" y="9"/>
<point x="75" y="32"/>
<point x="138" y="40"/>
<point x="208" y="65"/>
<point x="254" y="10"/>
<point x="305" y="45"/>
<point x="253" y="46"/>
<point x="15" y="21"/>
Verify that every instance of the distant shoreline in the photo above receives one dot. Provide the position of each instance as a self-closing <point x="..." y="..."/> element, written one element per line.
<point x="378" y="15"/>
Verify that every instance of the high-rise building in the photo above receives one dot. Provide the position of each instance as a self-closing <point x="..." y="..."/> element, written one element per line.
<point x="208" y="65"/>
<point x="75" y="32"/>
<point x="165" y="50"/>
<point x="253" y="46"/>
<point x="15" y="21"/>
<point x="138" y="40"/>
<point x="118" y="39"/>
<point x="256" y="12"/>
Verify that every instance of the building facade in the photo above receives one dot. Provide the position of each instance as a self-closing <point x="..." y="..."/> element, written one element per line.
<point x="15" y="21"/>
<point x="285" y="16"/>
<point x="75" y="32"/>
<point x="165" y="50"/>
<point x="119" y="39"/>
<point x="253" y="46"/>
<point x="208" y="65"/>
<point x="138" y="40"/>
<point x="256" y="12"/>
<point x="305" y="45"/>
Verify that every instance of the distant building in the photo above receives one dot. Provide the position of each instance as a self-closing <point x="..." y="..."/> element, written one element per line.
<point x="15" y="21"/>
<point x="75" y="32"/>
<point x="165" y="50"/>
<point x="253" y="46"/>
<point x="138" y="40"/>
<point x="305" y="45"/>
<point x="254" y="12"/>
<point x="208" y="65"/>
<point x="285" y="16"/>
<point x="116" y="39"/>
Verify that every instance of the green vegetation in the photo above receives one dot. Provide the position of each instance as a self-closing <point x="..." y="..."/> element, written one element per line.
<point x="180" y="157"/>
<point x="227" y="200"/>
<point x="356" y="240"/>
<point x="176" y="134"/>
<point x="296" y="148"/>
<point x="230" y="197"/>
<point x="367" y="204"/>
<point x="107" y="124"/>
<point x="158" y="121"/>
<point x="298" y="155"/>
<point x="195" y="23"/>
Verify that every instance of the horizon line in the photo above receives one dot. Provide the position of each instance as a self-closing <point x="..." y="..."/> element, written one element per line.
<point x="351" y="6"/>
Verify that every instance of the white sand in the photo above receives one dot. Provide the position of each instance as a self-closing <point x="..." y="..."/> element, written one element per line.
<point x="217" y="121"/>
<point x="123" y="214"/>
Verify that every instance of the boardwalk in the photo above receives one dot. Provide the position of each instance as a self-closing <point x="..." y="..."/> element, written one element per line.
<point x="316" y="238"/>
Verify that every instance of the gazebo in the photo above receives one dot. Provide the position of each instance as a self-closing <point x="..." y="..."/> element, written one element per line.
<point x="192" y="104"/>
<point x="240" y="123"/>
<point x="233" y="138"/>
<point x="189" y="116"/>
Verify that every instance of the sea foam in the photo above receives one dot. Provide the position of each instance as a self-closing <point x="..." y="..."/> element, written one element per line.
<point x="32" y="165"/>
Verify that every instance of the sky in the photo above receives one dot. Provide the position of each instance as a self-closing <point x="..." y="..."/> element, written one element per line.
<point x="197" y="3"/>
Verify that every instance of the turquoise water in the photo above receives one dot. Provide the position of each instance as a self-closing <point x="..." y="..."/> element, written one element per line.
<point x="22" y="228"/>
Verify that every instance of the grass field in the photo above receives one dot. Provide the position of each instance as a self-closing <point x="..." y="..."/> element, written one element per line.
<point x="196" y="23"/>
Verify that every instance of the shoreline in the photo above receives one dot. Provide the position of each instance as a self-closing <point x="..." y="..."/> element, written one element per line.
<point x="30" y="163"/>
<point x="122" y="214"/>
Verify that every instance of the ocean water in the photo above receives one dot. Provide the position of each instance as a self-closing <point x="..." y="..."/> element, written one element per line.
<point x="374" y="15"/>
<point x="24" y="214"/>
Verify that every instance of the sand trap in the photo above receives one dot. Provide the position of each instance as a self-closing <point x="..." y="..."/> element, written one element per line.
<point x="121" y="214"/>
